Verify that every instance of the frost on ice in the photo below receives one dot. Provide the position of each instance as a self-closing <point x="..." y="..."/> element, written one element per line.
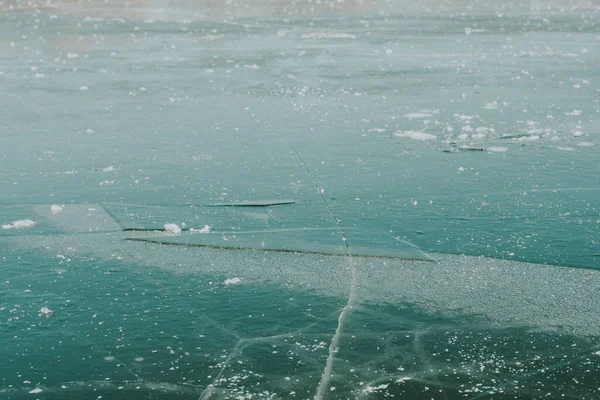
<point x="233" y="281"/>
<point x="172" y="228"/>
<point x="20" y="224"/>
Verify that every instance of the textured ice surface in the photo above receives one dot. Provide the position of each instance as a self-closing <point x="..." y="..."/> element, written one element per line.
<point x="203" y="116"/>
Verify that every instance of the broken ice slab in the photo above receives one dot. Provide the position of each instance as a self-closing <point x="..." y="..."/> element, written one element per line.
<point x="73" y="218"/>
<point x="299" y="240"/>
<point x="222" y="218"/>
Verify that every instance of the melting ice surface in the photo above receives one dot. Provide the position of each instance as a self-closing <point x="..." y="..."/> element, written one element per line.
<point x="366" y="200"/>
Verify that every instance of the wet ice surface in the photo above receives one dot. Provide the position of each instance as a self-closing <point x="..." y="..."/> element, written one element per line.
<point x="291" y="207"/>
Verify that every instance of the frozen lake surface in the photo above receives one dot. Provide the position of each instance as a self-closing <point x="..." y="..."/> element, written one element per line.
<point x="278" y="200"/>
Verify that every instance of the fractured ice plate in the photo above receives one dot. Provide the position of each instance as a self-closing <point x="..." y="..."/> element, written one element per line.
<point x="301" y="240"/>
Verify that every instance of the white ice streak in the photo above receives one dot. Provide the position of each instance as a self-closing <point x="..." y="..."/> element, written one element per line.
<point x="415" y="135"/>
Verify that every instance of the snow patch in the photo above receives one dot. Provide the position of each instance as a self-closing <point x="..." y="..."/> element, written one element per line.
<point x="172" y="228"/>
<point x="55" y="209"/>
<point x="206" y="229"/>
<point x="233" y="281"/>
<point x="20" y="224"/>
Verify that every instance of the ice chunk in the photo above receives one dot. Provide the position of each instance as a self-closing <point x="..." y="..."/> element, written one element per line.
<point x="233" y="281"/>
<point x="415" y="135"/>
<point x="36" y="390"/>
<point x="173" y="228"/>
<point x="55" y="209"/>
<point x="206" y="229"/>
<point x="45" y="311"/>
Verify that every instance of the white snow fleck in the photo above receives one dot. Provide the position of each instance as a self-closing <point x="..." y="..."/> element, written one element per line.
<point x="55" y="209"/>
<point x="172" y="228"/>
<point x="45" y="311"/>
<point x="585" y="144"/>
<point x="36" y="390"/>
<point x="72" y="55"/>
<point x="206" y="229"/>
<point x="7" y="226"/>
<point x="598" y="353"/>
<point x="83" y="88"/>
<point x="104" y="183"/>
<point x="371" y="389"/>
<point x="497" y="149"/>
<point x="461" y="169"/>
<point x="109" y="358"/>
<point x="565" y="148"/>
<point x="415" y="135"/>
<point x="110" y="168"/>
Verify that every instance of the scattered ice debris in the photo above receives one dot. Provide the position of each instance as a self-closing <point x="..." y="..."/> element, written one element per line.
<point x="172" y="228"/>
<point x="418" y="115"/>
<point x="45" y="312"/>
<point x="56" y="209"/>
<point x="233" y="281"/>
<point x="20" y="224"/>
<point x="497" y="149"/>
<point x="574" y="113"/>
<point x="36" y="390"/>
<point x="104" y="183"/>
<point x="206" y="229"/>
<point x="415" y="135"/>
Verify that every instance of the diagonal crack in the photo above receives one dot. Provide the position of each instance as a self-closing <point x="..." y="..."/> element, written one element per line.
<point x="334" y="344"/>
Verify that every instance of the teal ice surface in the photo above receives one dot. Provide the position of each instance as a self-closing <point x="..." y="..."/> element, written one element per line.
<point x="460" y="151"/>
